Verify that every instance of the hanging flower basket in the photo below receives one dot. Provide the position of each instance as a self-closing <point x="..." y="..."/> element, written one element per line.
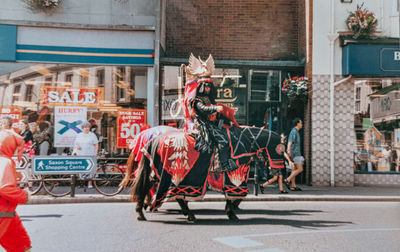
<point x="296" y="88"/>
<point x="43" y="5"/>
<point x="362" y="22"/>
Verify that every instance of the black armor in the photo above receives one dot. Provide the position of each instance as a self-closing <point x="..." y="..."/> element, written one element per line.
<point x="209" y="124"/>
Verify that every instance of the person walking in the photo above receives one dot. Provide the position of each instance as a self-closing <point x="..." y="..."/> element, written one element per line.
<point x="86" y="144"/>
<point x="13" y="236"/>
<point x="26" y="133"/>
<point x="294" y="152"/>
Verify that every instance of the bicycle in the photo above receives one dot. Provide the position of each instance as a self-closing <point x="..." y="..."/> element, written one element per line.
<point x="106" y="181"/>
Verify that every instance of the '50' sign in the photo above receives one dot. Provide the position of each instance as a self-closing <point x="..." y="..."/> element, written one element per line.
<point x="129" y="123"/>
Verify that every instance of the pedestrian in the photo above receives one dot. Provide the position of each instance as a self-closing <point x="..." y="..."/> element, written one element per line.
<point x="13" y="236"/>
<point x="42" y="138"/>
<point x="294" y="151"/>
<point x="26" y="133"/>
<point x="86" y="143"/>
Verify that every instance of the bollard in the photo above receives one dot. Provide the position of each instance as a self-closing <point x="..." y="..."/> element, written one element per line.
<point x="73" y="185"/>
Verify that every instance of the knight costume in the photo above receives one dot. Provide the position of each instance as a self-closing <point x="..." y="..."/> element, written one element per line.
<point x="200" y="106"/>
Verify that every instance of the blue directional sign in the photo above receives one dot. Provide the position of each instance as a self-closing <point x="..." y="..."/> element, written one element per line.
<point x="64" y="165"/>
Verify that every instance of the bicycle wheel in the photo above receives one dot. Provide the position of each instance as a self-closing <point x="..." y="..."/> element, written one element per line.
<point x="107" y="180"/>
<point x="57" y="185"/>
<point x="34" y="184"/>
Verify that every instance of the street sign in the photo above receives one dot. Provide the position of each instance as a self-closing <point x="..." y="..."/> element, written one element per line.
<point x="20" y="165"/>
<point x="64" y="165"/>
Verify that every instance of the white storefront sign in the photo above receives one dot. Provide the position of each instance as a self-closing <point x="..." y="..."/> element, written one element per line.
<point x="67" y="124"/>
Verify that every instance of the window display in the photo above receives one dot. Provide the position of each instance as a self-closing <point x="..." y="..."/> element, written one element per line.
<point x="377" y="125"/>
<point x="57" y="98"/>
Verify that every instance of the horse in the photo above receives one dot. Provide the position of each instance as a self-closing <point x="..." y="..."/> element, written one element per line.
<point x="138" y="142"/>
<point x="173" y="169"/>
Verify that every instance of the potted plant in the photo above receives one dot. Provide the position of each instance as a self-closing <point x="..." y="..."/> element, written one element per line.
<point x="296" y="88"/>
<point x="43" y="5"/>
<point x="361" y="22"/>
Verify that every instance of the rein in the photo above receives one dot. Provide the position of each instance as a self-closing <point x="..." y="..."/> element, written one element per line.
<point x="255" y="138"/>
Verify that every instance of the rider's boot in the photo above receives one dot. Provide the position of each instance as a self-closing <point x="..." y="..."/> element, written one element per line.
<point x="227" y="164"/>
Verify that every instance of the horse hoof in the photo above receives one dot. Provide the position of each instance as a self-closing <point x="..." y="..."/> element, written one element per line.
<point x="141" y="217"/>
<point x="233" y="217"/>
<point x="191" y="219"/>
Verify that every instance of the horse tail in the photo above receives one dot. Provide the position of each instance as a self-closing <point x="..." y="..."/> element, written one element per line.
<point x="131" y="166"/>
<point x="141" y="184"/>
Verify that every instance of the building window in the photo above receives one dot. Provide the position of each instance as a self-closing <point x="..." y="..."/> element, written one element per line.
<point x="100" y="77"/>
<point x="358" y="93"/>
<point x="358" y="106"/>
<point x="29" y="93"/>
<point x="120" y="83"/>
<point x="48" y="81"/>
<point x="84" y="76"/>
<point x="68" y="79"/>
<point x="16" y="94"/>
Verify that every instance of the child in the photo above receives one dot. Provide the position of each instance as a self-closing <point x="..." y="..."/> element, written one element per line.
<point x="277" y="172"/>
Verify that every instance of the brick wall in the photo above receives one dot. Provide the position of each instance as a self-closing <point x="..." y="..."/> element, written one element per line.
<point x="241" y="30"/>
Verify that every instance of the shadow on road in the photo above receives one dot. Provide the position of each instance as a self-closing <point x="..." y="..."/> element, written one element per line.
<point x="309" y="224"/>
<point x="181" y="220"/>
<point x="30" y="217"/>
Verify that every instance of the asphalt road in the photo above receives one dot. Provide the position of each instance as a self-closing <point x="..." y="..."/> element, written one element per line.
<point x="263" y="226"/>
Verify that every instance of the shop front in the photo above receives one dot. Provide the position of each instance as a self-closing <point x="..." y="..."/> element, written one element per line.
<point x="55" y="85"/>
<point x="375" y="67"/>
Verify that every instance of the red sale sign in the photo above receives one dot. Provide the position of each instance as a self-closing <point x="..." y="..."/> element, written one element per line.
<point x="129" y="123"/>
<point x="14" y="113"/>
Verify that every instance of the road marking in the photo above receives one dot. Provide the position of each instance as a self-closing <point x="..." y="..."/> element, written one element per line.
<point x="243" y="241"/>
<point x="238" y="242"/>
<point x="266" y="250"/>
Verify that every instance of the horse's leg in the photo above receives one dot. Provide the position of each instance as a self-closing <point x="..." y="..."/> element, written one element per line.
<point x="129" y="170"/>
<point x="236" y="203"/>
<point x="185" y="209"/>
<point x="183" y="206"/>
<point x="229" y="210"/>
<point x="139" y="210"/>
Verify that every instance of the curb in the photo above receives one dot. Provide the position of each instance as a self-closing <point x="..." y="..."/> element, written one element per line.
<point x="36" y="200"/>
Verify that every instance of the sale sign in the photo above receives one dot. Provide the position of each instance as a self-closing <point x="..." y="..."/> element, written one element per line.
<point x="129" y="123"/>
<point x="67" y="124"/>
<point x="71" y="96"/>
<point x="14" y="113"/>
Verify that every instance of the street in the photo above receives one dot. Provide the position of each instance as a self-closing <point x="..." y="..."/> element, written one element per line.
<point x="263" y="226"/>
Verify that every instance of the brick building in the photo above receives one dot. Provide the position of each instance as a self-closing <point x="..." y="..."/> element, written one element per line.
<point x="255" y="45"/>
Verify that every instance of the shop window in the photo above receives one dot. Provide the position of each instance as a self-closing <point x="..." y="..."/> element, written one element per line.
<point x="377" y="126"/>
<point x="100" y="77"/>
<point x="35" y="94"/>
<point x="265" y="86"/>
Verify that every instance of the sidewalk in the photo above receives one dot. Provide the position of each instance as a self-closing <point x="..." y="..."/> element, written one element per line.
<point x="271" y="193"/>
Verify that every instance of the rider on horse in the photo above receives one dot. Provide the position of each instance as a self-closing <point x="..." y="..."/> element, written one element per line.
<point x="207" y="115"/>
